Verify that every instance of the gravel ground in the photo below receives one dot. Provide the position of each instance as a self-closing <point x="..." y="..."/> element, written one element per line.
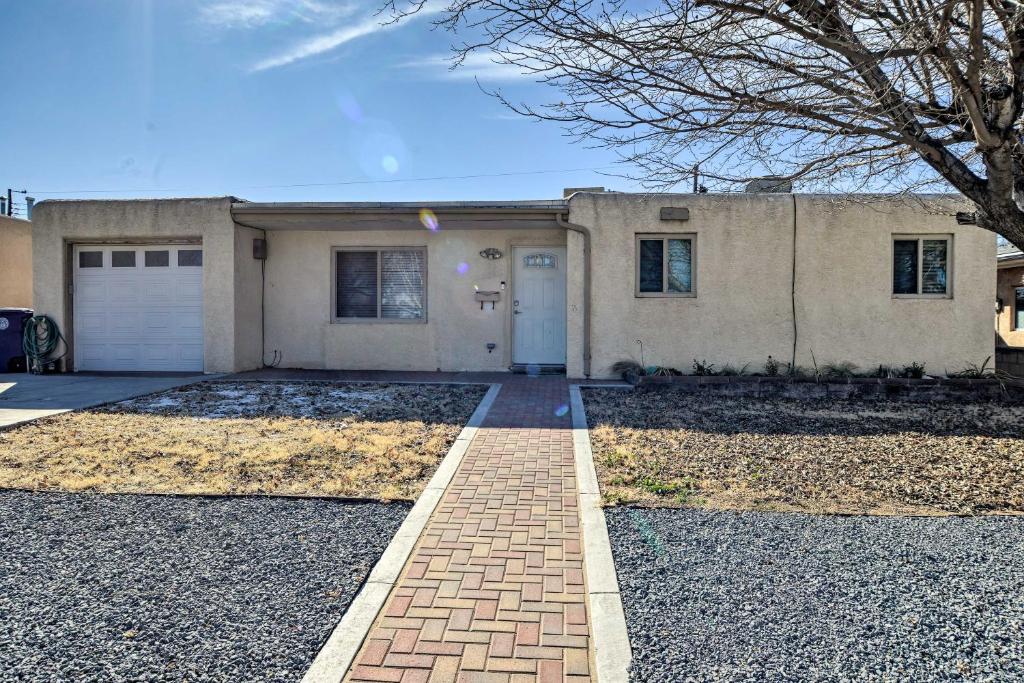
<point x="754" y="596"/>
<point x="148" y="588"/>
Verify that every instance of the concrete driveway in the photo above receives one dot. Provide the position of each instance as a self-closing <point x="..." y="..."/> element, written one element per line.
<point x="25" y="397"/>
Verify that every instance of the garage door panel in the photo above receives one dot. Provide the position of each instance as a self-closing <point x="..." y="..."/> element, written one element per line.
<point x="90" y="291"/>
<point x="91" y="322"/>
<point x="157" y="322"/>
<point x="189" y="321"/>
<point x="124" y="322"/>
<point x="124" y="353"/>
<point x="161" y="353"/>
<point x="93" y="353"/>
<point x="189" y="291"/>
<point x="190" y="353"/>
<point x="159" y="290"/>
<point x="121" y="290"/>
<point x="138" y="319"/>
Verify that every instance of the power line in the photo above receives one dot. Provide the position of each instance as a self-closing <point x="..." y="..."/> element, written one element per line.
<point x="338" y="183"/>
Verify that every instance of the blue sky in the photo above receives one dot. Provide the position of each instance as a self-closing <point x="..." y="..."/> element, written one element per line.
<point x="211" y="97"/>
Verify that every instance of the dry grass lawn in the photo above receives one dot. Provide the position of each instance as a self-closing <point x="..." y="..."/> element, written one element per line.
<point x="672" y="449"/>
<point x="295" y="438"/>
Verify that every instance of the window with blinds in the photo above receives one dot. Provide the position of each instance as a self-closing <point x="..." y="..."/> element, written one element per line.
<point x="388" y="285"/>
<point x="665" y="265"/>
<point x="921" y="266"/>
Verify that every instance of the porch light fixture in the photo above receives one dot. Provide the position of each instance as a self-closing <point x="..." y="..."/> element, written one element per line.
<point x="491" y="253"/>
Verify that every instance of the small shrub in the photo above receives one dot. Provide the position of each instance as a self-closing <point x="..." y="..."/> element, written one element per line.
<point x="974" y="371"/>
<point x="842" y="370"/>
<point x="914" y="371"/>
<point x="703" y="368"/>
<point x="662" y="371"/>
<point x="884" y="372"/>
<point x="626" y="367"/>
<point x="771" y="367"/>
<point x="731" y="371"/>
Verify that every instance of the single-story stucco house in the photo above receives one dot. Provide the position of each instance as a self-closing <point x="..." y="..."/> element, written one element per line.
<point x="220" y="285"/>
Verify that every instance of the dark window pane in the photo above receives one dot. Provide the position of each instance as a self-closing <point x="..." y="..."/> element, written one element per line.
<point x="933" y="267"/>
<point x="356" y="284"/>
<point x="651" y="255"/>
<point x="1018" y="308"/>
<point x="90" y="259"/>
<point x="190" y="257"/>
<point x="680" y="261"/>
<point x="402" y="284"/>
<point x="904" y="267"/>
<point x="122" y="259"/>
<point x="158" y="259"/>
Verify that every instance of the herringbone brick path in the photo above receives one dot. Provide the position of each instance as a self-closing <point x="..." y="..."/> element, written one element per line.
<point x="494" y="589"/>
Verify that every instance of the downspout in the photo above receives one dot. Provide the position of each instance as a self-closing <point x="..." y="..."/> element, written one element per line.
<point x="263" y="296"/>
<point x="585" y="231"/>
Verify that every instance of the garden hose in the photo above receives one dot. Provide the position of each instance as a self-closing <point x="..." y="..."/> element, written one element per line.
<point x="41" y="337"/>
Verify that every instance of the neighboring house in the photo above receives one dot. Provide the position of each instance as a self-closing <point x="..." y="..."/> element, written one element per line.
<point x="580" y="282"/>
<point x="1010" y="297"/>
<point x="1010" y="310"/>
<point x="15" y="263"/>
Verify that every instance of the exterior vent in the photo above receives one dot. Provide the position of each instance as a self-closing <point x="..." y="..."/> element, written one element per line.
<point x="769" y="184"/>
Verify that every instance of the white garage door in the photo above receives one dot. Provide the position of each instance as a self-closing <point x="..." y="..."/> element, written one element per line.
<point x="138" y="308"/>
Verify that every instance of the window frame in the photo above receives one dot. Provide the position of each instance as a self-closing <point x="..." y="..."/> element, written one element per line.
<point x="1017" y="309"/>
<point x="920" y="238"/>
<point x="379" y="319"/>
<point x="665" y="237"/>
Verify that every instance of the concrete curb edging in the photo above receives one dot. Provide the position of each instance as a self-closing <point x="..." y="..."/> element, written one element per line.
<point x="337" y="654"/>
<point x="612" y="652"/>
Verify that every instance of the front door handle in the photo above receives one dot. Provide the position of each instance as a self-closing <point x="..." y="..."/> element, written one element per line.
<point x="517" y="312"/>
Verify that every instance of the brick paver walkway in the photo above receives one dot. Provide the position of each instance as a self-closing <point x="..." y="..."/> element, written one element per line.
<point x="494" y="590"/>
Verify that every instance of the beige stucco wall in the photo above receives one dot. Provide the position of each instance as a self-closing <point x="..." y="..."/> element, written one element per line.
<point x="56" y="224"/>
<point x="248" y="295"/>
<point x="1008" y="279"/>
<point x="743" y="309"/>
<point x="15" y="263"/>
<point x="298" y="302"/>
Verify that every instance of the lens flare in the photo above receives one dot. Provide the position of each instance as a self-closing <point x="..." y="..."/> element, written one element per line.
<point x="389" y="163"/>
<point x="462" y="268"/>
<point x="562" y="410"/>
<point x="429" y="220"/>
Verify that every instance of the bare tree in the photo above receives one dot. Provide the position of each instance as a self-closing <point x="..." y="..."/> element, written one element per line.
<point x="848" y="95"/>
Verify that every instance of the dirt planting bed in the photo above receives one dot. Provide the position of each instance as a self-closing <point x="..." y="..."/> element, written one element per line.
<point x="378" y="441"/>
<point x="833" y="456"/>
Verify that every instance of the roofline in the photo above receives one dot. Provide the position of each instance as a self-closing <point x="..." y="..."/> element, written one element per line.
<point x="546" y="206"/>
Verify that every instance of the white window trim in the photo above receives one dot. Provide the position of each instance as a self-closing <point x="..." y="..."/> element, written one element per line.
<point x="378" y="320"/>
<point x="664" y="236"/>
<point x="1013" y="320"/>
<point x="921" y="237"/>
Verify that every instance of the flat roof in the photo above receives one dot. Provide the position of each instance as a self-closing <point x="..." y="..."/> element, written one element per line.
<point x="477" y="215"/>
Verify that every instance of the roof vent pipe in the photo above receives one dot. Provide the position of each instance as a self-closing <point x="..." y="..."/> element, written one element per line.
<point x="770" y="184"/>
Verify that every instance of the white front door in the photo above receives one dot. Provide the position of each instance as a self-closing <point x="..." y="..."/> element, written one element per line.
<point x="538" y="305"/>
<point x="138" y="308"/>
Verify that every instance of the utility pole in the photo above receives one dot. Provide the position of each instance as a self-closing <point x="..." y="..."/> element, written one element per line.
<point x="10" y="200"/>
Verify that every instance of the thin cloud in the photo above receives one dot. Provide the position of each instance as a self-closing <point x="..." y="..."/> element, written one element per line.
<point x="251" y="14"/>
<point x="326" y="42"/>
<point x="478" y="65"/>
